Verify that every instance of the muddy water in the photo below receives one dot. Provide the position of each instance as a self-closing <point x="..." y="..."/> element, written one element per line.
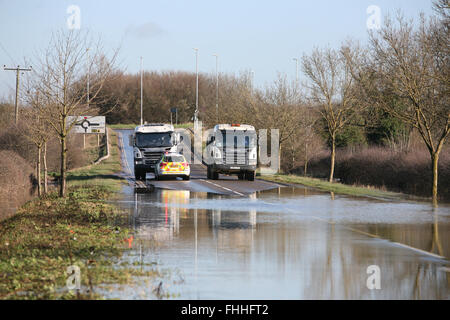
<point x="288" y="243"/>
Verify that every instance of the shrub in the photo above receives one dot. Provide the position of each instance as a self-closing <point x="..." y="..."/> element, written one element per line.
<point x="380" y="167"/>
<point x="17" y="180"/>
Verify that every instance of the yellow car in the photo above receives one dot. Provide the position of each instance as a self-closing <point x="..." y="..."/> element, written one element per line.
<point x="172" y="165"/>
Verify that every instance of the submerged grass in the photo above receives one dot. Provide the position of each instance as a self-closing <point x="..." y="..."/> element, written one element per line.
<point x="334" y="187"/>
<point x="49" y="234"/>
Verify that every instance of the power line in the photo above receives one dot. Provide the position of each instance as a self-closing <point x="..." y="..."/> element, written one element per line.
<point x="7" y="53"/>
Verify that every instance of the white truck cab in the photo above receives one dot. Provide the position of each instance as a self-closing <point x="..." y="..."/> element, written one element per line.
<point x="150" y="142"/>
<point x="233" y="150"/>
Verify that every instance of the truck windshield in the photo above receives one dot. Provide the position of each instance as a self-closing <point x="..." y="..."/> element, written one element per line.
<point x="153" y="140"/>
<point x="236" y="138"/>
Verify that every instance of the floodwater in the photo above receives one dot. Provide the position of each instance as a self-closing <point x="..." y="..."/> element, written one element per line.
<point x="287" y="243"/>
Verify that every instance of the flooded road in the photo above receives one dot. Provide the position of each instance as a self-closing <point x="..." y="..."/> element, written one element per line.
<point x="234" y="239"/>
<point x="289" y="243"/>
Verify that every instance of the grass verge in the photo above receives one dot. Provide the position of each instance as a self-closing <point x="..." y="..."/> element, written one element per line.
<point x="103" y="174"/>
<point x="334" y="187"/>
<point x="50" y="234"/>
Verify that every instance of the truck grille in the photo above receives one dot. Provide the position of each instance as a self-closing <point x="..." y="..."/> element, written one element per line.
<point x="152" y="157"/>
<point x="235" y="156"/>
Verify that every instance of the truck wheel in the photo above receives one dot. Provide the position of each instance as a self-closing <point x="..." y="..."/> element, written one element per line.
<point x="241" y="176"/>
<point x="214" y="175"/>
<point x="208" y="172"/>
<point x="138" y="175"/>
<point x="186" y="177"/>
<point x="250" y="175"/>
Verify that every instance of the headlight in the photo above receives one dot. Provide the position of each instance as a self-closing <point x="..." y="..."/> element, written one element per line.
<point x="217" y="154"/>
<point x="137" y="153"/>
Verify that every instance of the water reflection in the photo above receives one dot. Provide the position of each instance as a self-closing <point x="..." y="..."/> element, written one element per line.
<point x="293" y="243"/>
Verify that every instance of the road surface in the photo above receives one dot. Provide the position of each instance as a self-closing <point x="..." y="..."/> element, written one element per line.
<point x="227" y="185"/>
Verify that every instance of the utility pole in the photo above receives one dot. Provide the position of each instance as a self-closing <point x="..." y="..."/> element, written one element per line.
<point x="142" y="121"/>
<point x="296" y="71"/>
<point x="217" y="87"/>
<point x="196" y="90"/>
<point x="18" y="69"/>
<point x="88" y="77"/>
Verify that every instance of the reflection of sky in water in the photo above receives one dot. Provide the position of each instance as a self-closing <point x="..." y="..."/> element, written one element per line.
<point x="272" y="246"/>
<point x="342" y="210"/>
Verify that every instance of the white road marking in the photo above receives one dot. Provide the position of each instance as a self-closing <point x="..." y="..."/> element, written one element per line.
<point x="225" y="188"/>
<point x="371" y="235"/>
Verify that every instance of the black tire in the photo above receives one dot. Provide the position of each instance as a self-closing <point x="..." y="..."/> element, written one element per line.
<point x="186" y="177"/>
<point x="241" y="176"/>
<point x="214" y="175"/>
<point x="250" y="175"/>
<point x="139" y="175"/>
<point x="208" y="173"/>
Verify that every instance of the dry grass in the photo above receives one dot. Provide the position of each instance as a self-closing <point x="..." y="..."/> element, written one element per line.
<point x="17" y="183"/>
<point x="379" y="167"/>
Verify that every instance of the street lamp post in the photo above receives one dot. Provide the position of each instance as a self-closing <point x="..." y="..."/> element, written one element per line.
<point x="296" y="71"/>
<point x="217" y="86"/>
<point x="87" y="93"/>
<point x="88" y="76"/>
<point x="142" y="120"/>
<point x="196" y="89"/>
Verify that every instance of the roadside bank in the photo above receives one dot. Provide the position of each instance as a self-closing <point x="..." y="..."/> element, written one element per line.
<point x="82" y="232"/>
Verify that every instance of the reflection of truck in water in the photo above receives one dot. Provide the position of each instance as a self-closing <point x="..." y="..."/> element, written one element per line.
<point x="233" y="150"/>
<point x="150" y="142"/>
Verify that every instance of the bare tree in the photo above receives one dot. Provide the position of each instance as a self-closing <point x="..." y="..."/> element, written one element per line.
<point x="331" y="88"/>
<point x="309" y="139"/>
<point x="60" y="78"/>
<point x="38" y="132"/>
<point x="236" y="100"/>
<point x="278" y="107"/>
<point x="442" y="7"/>
<point x="412" y="64"/>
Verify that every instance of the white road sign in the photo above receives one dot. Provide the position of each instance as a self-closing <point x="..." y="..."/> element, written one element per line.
<point x="87" y="124"/>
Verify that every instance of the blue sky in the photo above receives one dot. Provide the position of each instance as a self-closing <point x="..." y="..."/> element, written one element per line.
<point x="257" y="35"/>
